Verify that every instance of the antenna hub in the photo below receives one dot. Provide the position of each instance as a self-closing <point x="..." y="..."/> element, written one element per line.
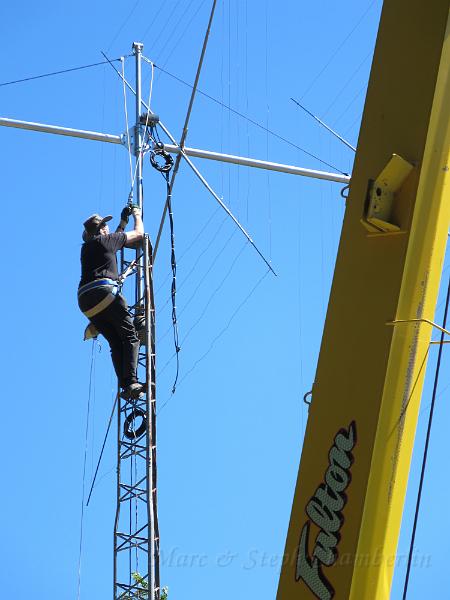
<point x="138" y="47"/>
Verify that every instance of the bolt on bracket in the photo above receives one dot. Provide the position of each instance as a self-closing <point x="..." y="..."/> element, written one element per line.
<point x="381" y="196"/>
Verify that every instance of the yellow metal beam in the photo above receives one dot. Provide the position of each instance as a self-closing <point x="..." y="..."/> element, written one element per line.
<point x="349" y="498"/>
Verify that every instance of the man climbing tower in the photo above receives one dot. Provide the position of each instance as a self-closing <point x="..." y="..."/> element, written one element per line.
<point x="99" y="297"/>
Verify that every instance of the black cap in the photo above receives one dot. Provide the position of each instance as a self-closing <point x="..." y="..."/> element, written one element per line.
<point x="93" y="224"/>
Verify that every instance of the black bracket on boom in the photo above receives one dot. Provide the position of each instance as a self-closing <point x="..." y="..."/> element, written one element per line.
<point x="150" y="119"/>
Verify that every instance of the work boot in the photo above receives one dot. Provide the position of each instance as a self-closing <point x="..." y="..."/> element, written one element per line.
<point x="133" y="391"/>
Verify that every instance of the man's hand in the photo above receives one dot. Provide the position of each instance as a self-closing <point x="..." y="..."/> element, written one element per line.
<point x="124" y="217"/>
<point x="125" y="214"/>
<point x="135" y="210"/>
<point x="134" y="237"/>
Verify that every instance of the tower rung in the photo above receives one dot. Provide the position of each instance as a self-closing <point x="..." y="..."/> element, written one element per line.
<point x="132" y="587"/>
<point x="128" y="454"/>
<point x="131" y="493"/>
<point x="143" y="546"/>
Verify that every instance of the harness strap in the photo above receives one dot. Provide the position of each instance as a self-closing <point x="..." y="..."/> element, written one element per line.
<point x="105" y="282"/>
<point x="109" y="299"/>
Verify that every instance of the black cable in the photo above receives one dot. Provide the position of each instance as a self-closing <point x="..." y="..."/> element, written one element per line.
<point x="174" y="281"/>
<point x="239" y="114"/>
<point x="427" y="441"/>
<point x="104" y="62"/>
<point x="156" y="153"/>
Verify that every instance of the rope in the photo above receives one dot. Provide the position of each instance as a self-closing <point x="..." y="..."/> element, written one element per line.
<point x="427" y="441"/>
<point x="356" y="121"/>
<point x="215" y="292"/>
<point x="84" y="463"/>
<point x="208" y="271"/>
<point x="215" y="340"/>
<point x="346" y="84"/>
<point x="163" y="28"/>
<point x="187" y="27"/>
<point x="119" y="31"/>
<point x="183" y="254"/>
<point x="192" y="243"/>
<point x="143" y="36"/>
<point x="195" y="263"/>
<point x="101" y="452"/>
<point x="311" y="85"/>
<point x="347" y="108"/>
<point x="151" y="90"/>
<point x="126" y="120"/>
<point x="250" y="120"/>
<point x="104" y="62"/>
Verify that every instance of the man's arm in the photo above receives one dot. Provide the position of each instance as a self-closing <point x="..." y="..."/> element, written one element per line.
<point x="135" y="236"/>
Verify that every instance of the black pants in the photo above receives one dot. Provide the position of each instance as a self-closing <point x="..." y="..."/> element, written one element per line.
<point x="116" y="325"/>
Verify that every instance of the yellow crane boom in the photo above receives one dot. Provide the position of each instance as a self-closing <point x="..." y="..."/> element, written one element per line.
<point x="351" y="486"/>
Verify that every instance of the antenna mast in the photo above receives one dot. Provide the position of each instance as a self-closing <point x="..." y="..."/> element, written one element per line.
<point x="136" y="532"/>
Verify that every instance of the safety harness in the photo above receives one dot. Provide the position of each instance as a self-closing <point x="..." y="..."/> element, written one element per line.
<point x="113" y="287"/>
<point x="108" y="285"/>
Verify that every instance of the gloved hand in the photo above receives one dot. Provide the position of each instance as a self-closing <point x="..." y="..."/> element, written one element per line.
<point x="135" y="210"/>
<point x="125" y="214"/>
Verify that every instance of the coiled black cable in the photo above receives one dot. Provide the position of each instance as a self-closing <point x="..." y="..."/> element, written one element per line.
<point x="163" y="162"/>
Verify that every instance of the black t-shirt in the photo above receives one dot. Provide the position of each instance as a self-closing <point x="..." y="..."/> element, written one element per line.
<point x="98" y="256"/>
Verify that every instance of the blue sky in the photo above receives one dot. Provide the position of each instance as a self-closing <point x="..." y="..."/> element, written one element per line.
<point x="230" y="438"/>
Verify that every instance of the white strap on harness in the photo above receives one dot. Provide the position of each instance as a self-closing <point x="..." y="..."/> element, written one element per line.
<point x="109" y="299"/>
<point x="90" y="331"/>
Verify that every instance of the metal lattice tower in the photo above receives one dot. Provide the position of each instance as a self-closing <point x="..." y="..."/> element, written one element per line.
<point x="136" y="532"/>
